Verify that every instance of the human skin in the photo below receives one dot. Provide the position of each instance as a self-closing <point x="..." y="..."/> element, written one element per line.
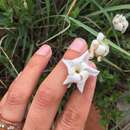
<point x="49" y="94"/>
<point x="93" y="120"/>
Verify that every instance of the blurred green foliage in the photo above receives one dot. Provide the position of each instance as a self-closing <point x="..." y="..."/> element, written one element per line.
<point x="28" y="24"/>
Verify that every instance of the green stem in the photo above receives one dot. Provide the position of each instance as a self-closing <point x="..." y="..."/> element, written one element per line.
<point x="117" y="47"/>
<point x="112" y="64"/>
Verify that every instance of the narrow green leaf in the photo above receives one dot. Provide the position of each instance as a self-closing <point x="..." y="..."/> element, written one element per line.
<point x="112" y="64"/>
<point x="109" y="9"/>
<point x="117" y="47"/>
<point x="89" y="29"/>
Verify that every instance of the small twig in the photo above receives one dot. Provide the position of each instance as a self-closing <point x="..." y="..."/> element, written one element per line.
<point x="112" y="64"/>
<point x="126" y="71"/>
<point x="126" y="127"/>
<point x="3" y="83"/>
<point x="7" y="57"/>
<point x="6" y="28"/>
<point x="15" y="47"/>
<point x="71" y="7"/>
<point x="46" y="26"/>
<point x="9" y="60"/>
<point x="2" y="39"/>
<point x="115" y="66"/>
<point x="90" y="20"/>
<point x="59" y="33"/>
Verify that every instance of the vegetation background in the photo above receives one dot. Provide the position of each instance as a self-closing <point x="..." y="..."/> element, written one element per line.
<point x="25" y="24"/>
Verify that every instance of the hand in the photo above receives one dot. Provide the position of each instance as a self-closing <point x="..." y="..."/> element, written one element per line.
<point x="49" y="94"/>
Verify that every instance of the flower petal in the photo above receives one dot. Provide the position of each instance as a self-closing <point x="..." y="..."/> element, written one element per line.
<point x="80" y="86"/>
<point x="82" y="58"/>
<point x="120" y="23"/>
<point x="72" y="79"/>
<point x="84" y="75"/>
<point x="68" y="64"/>
<point x="80" y="77"/>
<point x="92" y="71"/>
<point x="100" y="37"/>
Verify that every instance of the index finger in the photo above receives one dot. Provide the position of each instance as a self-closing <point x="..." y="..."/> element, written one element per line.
<point x="21" y="89"/>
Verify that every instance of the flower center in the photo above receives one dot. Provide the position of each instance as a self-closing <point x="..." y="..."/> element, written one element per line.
<point x="77" y="69"/>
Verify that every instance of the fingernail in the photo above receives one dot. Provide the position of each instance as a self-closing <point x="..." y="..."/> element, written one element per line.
<point x="78" y="45"/>
<point x="44" y="50"/>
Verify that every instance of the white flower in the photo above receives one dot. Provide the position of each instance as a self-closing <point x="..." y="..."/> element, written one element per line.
<point x="79" y="71"/>
<point x="25" y="4"/>
<point x="98" y="48"/>
<point x="120" y="23"/>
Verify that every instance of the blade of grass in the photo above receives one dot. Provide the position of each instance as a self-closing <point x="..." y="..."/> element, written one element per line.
<point x="68" y="13"/>
<point x="55" y="7"/>
<point x="103" y="10"/>
<point x="4" y="85"/>
<point x="109" y="9"/>
<point x="127" y="15"/>
<point x="15" y="46"/>
<point x="84" y="6"/>
<point x="47" y="2"/>
<point x="59" y="33"/>
<point x="64" y="8"/>
<point x="112" y="64"/>
<point x="71" y="7"/>
<point x="7" y="57"/>
<point x="24" y="40"/>
<point x="92" y="21"/>
<point x="115" y="66"/>
<point x="86" y="27"/>
<point x="67" y="6"/>
<point x="117" y="47"/>
<point x="30" y="52"/>
<point x="9" y="60"/>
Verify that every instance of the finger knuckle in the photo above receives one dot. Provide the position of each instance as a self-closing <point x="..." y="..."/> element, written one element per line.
<point x="71" y="118"/>
<point x="47" y="97"/>
<point x="34" y="63"/>
<point x="16" y="98"/>
<point x="31" y="124"/>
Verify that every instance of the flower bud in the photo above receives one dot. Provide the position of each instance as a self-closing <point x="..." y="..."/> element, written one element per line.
<point x="98" y="48"/>
<point x="120" y="23"/>
<point x="102" y="50"/>
<point x="25" y="4"/>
